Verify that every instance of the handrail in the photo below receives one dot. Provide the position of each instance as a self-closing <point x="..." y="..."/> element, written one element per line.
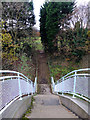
<point x="30" y="87"/>
<point x="76" y="75"/>
<point x="9" y="71"/>
<point x="86" y="69"/>
<point x="6" y="77"/>
<point x="60" y="85"/>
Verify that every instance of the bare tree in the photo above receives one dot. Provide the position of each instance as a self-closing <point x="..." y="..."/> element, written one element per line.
<point x="88" y="23"/>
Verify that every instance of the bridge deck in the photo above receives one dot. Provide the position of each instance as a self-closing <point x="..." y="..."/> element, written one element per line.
<point x="48" y="106"/>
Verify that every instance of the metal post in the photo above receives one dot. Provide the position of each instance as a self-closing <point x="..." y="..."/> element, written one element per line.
<point x="27" y="86"/>
<point x="20" y="93"/>
<point x="63" y="86"/>
<point x="53" y="84"/>
<point x="31" y="88"/>
<point x="74" y="85"/>
<point x="35" y="84"/>
<point x="3" y="80"/>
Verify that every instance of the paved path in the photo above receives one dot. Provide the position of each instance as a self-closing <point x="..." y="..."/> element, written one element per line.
<point x="44" y="89"/>
<point x="43" y="70"/>
<point x="47" y="105"/>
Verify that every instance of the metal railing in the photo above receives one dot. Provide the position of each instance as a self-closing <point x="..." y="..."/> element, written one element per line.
<point x="75" y="83"/>
<point x="14" y="85"/>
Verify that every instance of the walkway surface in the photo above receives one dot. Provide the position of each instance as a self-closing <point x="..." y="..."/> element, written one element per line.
<point x="47" y="105"/>
<point x="43" y="70"/>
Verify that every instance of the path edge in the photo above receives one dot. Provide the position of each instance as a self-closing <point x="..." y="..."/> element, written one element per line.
<point x="17" y="108"/>
<point x="73" y="106"/>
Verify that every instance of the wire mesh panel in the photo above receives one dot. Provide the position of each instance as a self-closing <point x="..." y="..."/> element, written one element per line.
<point x="10" y="90"/>
<point x="0" y="94"/>
<point x="12" y="85"/>
<point x="65" y="86"/>
<point x="75" y="82"/>
<point x="25" y="87"/>
<point x="82" y="86"/>
<point x="68" y="85"/>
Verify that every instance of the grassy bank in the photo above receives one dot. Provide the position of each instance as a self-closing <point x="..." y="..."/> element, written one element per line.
<point x="60" y="65"/>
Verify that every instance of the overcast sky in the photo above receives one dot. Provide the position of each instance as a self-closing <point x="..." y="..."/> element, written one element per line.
<point x="39" y="3"/>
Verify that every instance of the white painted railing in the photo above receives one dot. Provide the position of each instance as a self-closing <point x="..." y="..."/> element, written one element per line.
<point x="75" y="83"/>
<point x="14" y="85"/>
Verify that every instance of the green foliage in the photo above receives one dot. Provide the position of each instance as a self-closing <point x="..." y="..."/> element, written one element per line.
<point x="18" y="19"/>
<point x="29" y="109"/>
<point x="50" y="15"/>
<point x="36" y="43"/>
<point x="24" y="67"/>
<point x="25" y="46"/>
<point x="8" y="49"/>
<point x="88" y="33"/>
<point x="60" y="66"/>
<point x="73" y="43"/>
<point x="19" y="14"/>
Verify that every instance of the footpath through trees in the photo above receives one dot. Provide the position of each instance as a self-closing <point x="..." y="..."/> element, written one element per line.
<point x="47" y="105"/>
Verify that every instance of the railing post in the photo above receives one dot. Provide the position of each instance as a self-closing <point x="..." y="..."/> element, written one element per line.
<point x="74" y="84"/>
<point x="20" y="93"/>
<point x="31" y="87"/>
<point x="53" y="84"/>
<point x="63" y="86"/>
<point x="3" y="80"/>
<point x="27" y="86"/>
<point x="35" y="84"/>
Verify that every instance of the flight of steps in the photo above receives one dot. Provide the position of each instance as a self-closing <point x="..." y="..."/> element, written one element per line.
<point x="47" y="105"/>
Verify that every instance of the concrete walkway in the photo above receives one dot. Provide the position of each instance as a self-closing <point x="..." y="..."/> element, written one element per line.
<point x="47" y="105"/>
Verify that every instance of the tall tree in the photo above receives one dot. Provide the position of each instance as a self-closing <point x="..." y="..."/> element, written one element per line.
<point x="18" y="16"/>
<point x="50" y="16"/>
<point x="18" y="20"/>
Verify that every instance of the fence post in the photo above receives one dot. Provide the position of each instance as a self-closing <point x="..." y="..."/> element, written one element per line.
<point x="20" y="93"/>
<point x="74" y="84"/>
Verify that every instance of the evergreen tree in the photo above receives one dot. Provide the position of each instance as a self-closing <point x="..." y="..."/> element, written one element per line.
<point x="50" y="16"/>
<point x="43" y="15"/>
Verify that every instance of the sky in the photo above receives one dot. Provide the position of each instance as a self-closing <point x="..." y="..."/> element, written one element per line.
<point x="39" y="3"/>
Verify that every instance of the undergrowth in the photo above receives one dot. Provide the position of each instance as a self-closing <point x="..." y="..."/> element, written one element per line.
<point x="28" y="110"/>
<point x="60" y="66"/>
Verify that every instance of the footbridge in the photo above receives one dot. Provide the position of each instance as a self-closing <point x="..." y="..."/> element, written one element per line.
<point x="70" y="96"/>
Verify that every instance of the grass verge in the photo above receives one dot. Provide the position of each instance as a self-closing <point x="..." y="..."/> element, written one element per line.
<point x="28" y="110"/>
<point x="60" y="66"/>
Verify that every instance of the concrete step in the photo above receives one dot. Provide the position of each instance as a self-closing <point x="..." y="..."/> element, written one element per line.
<point x="47" y="100"/>
<point x="44" y="89"/>
<point x="49" y="106"/>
